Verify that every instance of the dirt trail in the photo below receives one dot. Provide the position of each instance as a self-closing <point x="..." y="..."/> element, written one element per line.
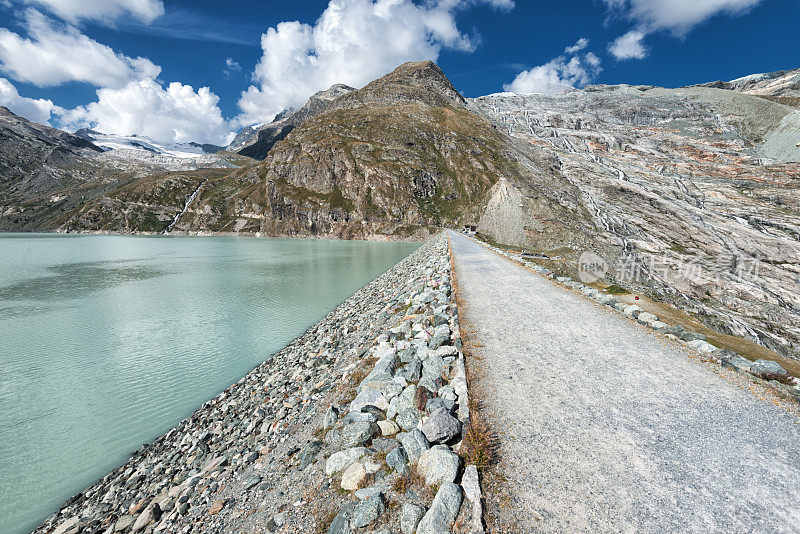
<point x="606" y="427"/>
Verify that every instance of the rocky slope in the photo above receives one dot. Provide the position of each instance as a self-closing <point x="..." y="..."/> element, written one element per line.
<point x="258" y="146"/>
<point x="351" y="426"/>
<point x="782" y="83"/>
<point x="693" y="192"/>
<point x="398" y="157"/>
<point x="47" y="176"/>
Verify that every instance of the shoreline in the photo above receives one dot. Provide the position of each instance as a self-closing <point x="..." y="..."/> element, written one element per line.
<point x="224" y="447"/>
<point x="379" y="238"/>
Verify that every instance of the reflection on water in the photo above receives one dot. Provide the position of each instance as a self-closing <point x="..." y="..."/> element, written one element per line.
<point x="108" y="341"/>
<point x="76" y="280"/>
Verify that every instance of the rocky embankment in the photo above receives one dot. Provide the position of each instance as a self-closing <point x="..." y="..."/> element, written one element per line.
<point x="356" y="426"/>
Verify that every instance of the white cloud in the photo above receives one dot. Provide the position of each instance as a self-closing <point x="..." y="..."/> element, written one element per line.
<point x="175" y="114"/>
<point x="353" y="42"/>
<point x="678" y="16"/>
<point x="675" y="16"/>
<point x="36" y="110"/>
<point x="54" y="54"/>
<point x="582" y="43"/>
<point x="102" y="10"/>
<point x="231" y="66"/>
<point x="560" y="74"/>
<point x="629" y="46"/>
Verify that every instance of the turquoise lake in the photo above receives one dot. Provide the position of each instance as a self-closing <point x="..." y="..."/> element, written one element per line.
<point x="106" y="342"/>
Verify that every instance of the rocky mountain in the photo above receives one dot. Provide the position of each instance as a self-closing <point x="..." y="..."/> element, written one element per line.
<point x="47" y="174"/>
<point x="286" y="121"/>
<point x="782" y="83"/>
<point x="696" y="190"/>
<point x="689" y="194"/>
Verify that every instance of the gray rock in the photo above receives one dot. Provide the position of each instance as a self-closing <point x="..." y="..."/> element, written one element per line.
<point x="397" y="459"/>
<point x="440" y="319"/>
<point x="309" y="453"/>
<point x="414" y="443"/>
<point x="368" y="511"/>
<point x="341" y="523"/>
<point x="438" y="465"/>
<point x="647" y="318"/>
<point x="408" y="419"/>
<point x="343" y="459"/>
<point x="410" y="516"/>
<point x="440" y="336"/>
<point x="331" y="416"/>
<point x="441" y="427"/>
<point x="768" y="369"/>
<point x="433" y="366"/>
<point x="356" y="434"/>
<point x="691" y="336"/>
<point x="443" y="512"/>
<point x="251" y="482"/>
<point x="369" y="397"/>
<point x="734" y="361"/>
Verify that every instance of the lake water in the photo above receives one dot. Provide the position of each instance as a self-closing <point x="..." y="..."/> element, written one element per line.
<point x="106" y="342"/>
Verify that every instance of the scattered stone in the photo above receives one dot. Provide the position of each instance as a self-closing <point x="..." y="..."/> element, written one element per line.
<point x="359" y="433"/>
<point x="443" y="511"/>
<point x="414" y="443"/>
<point x="768" y="369"/>
<point x="341" y="460"/>
<point x="341" y="523"/>
<point x="353" y="477"/>
<point x="388" y="428"/>
<point x="410" y="516"/>
<point x="438" y="465"/>
<point x="216" y="507"/>
<point x="441" y="427"/>
<point x="398" y="460"/>
<point x="368" y="511"/>
<point x="331" y="416"/>
<point x="309" y="453"/>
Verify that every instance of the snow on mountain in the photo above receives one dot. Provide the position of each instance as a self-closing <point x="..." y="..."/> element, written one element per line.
<point x="110" y="142"/>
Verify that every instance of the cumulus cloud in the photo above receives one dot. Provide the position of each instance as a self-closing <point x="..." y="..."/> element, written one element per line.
<point x="55" y="53"/>
<point x="675" y="16"/>
<point x="176" y="113"/>
<point x="559" y="75"/>
<point x="102" y="10"/>
<point x="353" y="42"/>
<point x="629" y="46"/>
<point x="36" y="110"/>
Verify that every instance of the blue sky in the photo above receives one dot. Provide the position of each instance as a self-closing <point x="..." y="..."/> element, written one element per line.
<point x="180" y="70"/>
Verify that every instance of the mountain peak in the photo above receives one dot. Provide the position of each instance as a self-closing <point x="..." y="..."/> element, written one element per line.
<point x="414" y="80"/>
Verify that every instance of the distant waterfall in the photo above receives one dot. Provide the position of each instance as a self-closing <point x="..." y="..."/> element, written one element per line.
<point x="185" y="206"/>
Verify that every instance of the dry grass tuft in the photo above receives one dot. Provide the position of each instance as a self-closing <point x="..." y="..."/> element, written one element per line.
<point x="481" y="445"/>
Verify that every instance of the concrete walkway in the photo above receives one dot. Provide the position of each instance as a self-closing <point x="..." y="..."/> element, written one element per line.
<point x="606" y="427"/>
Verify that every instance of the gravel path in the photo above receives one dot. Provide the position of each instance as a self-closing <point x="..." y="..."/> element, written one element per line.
<point x="606" y="427"/>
